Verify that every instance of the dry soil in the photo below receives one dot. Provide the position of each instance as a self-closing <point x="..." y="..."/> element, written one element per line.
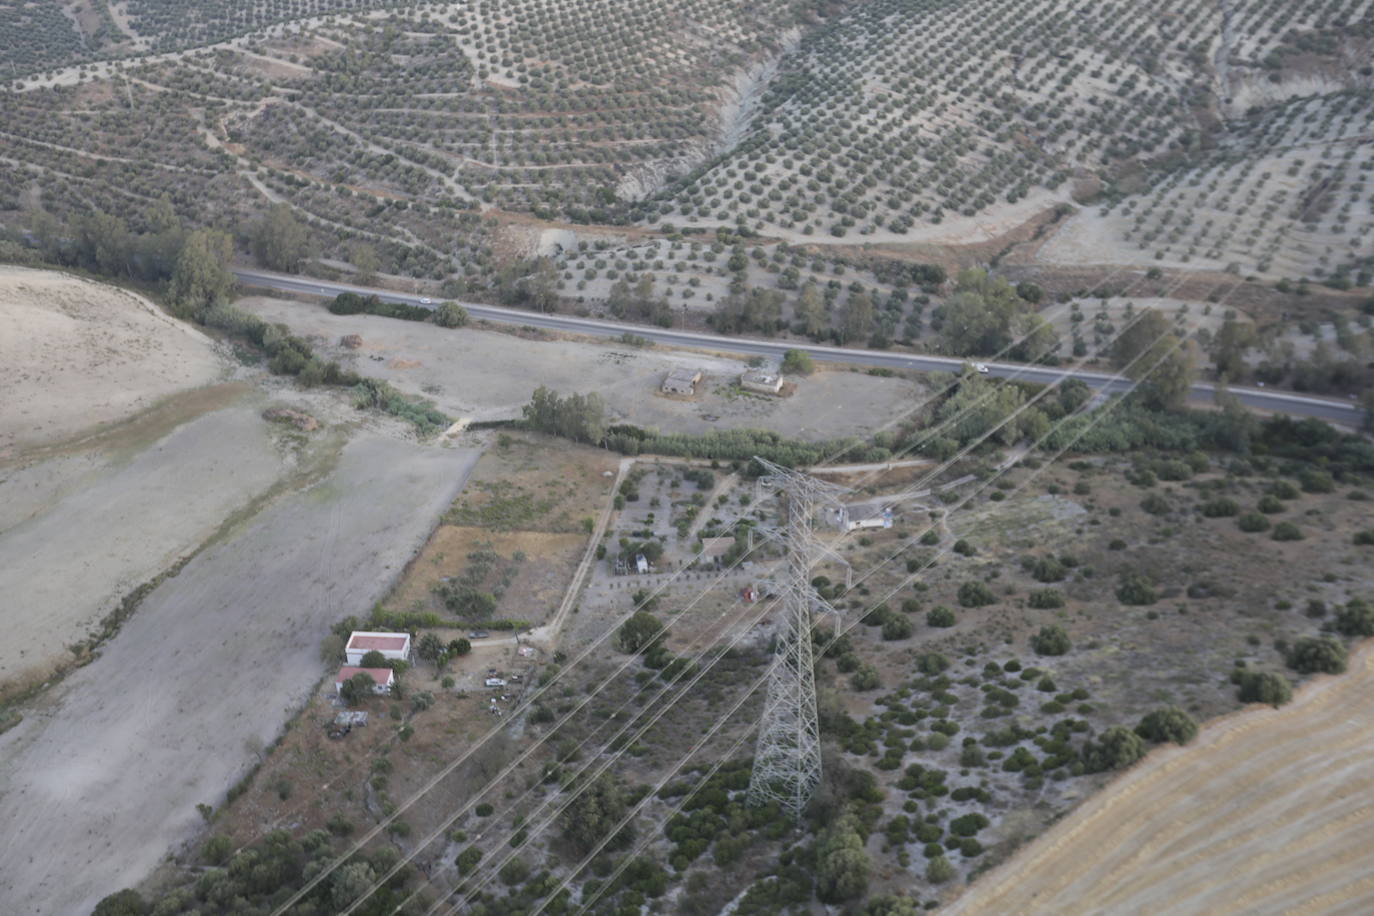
<point x="75" y="354"/>
<point x="102" y="779"/>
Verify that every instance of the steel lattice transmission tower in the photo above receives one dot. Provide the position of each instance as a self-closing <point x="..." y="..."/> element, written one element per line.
<point x="787" y="759"/>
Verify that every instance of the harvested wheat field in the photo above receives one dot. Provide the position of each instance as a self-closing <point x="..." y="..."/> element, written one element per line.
<point x="1267" y="811"/>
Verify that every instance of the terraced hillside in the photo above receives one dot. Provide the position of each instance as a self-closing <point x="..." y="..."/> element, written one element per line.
<point x="1191" y="135"/>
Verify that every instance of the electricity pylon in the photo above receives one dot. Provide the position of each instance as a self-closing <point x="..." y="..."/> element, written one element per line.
<point x="787" y="759"/>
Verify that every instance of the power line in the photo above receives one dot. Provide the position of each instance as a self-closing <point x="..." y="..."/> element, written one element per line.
<point x="902" y="584"/>
<point x="618" y="754"/>
<point x="449" y="768"/>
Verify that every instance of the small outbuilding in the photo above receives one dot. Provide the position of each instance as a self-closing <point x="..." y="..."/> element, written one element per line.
<point x="393" y="646"/>
<point x="383" y="679"/>
<point x="764" y="381"/>
<point x="681" y="381"/>
<point x="863" y="515"/>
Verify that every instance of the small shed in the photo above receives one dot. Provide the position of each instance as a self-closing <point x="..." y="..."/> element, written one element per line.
<point x="383" y="679"/>
<point x="764" y="381"/>
<point x="681" y="381"/>
<point x="863" y="515"/>
<point x="394" y="646"/>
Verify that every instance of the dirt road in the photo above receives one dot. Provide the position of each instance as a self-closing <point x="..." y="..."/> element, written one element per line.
<point x="101" y="780"/>
<point x="1267" y="811"/>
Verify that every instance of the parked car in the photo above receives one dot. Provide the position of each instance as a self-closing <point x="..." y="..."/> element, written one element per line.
<point x="478" y="634"/>
<point x="426" y="301"/>
<point x="495" y="682"/>
<point x="981" y="368"/>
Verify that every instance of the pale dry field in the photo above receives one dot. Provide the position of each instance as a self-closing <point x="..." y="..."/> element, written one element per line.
<point x="1266" y="811"/>
<point x="76" y="354"/>
<point x="91" y="538"/>
<point x="102" y="777"/>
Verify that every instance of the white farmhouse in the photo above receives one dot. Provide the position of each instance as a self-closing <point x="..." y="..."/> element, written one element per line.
<point x="383" y="679"/>
<point x="394" y="646"/>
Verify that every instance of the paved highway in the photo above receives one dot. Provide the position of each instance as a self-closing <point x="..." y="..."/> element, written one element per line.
<point x="1345" y="412"/>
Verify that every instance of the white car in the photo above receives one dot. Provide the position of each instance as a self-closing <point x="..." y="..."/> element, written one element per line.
<point x="981" y="368"/>
<point x="426" y="301"/>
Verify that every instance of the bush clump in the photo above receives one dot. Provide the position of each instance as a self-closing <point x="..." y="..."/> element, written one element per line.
<point x="1313" y="654"/>
<point x="1286" y="531"/>
<point x="1051" y="640"/>
<point x="1356" y="618"/>
<point x="1135" y="589"/>
<point x="976" y="594"/>
<point x="1168" y="723"/>
<point x="1045" y="598"/>
<point x="1264" y="687"/>
<point x="940" y="616"/>
<point x="1252" y="522"/>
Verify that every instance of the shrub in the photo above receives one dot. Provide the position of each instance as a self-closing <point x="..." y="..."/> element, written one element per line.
<point x="450" y="315"/>
<point x="968" y="824"/>
<point x="1313" y="654"/>
<point x="963" y="548"/>
<point x="1155" y="504"/>
<point x="1118" y="747"/>
<point x="866" y="678"/>
<point x="1364" y="538"/>
<point x="939" y="870"/>
<point x="896" y="627"/>
<point x="1252" y="522"/>
<point x="1316" y="482"/>
<point x="1282" y="489"/>
<point x="1356" y="618"/>
<point x="940" y="616"/>
<point x="1167" y="724"/>
<point x="1221" y="507"/>
<point x="1135" y="589"/>
<point x="1045" y="598"/>
<point x="1048" y="569"/>
<point x="1286" y="531"/>
<point x="1264" y="687"/>
<point x="1270" y="504"/>
<point x="1051" y="640"/>
<point x="797" y="362"/>
<point x="976" y="594"/>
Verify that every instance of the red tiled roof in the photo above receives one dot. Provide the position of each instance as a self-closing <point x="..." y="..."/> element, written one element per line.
<point x="381" y="676"/>
<point x="359" y="641"/>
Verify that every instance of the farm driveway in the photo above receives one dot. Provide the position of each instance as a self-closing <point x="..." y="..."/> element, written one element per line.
<point x="102" y="780"/>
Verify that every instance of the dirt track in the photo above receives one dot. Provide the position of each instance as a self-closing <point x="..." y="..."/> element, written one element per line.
<point x="1268" y="811"/>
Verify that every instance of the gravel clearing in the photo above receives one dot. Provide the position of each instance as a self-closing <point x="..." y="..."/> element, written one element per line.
<point x="468" y="373"/>
<point x="101" y="780"/>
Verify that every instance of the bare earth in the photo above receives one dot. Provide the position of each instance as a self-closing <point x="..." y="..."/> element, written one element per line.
<point x="468" y="373"/>
<point x="88" y="542"/>
<point x="75" y="354"/>
<point x="1267" y="811"/>
<point x="101" y="780"/>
